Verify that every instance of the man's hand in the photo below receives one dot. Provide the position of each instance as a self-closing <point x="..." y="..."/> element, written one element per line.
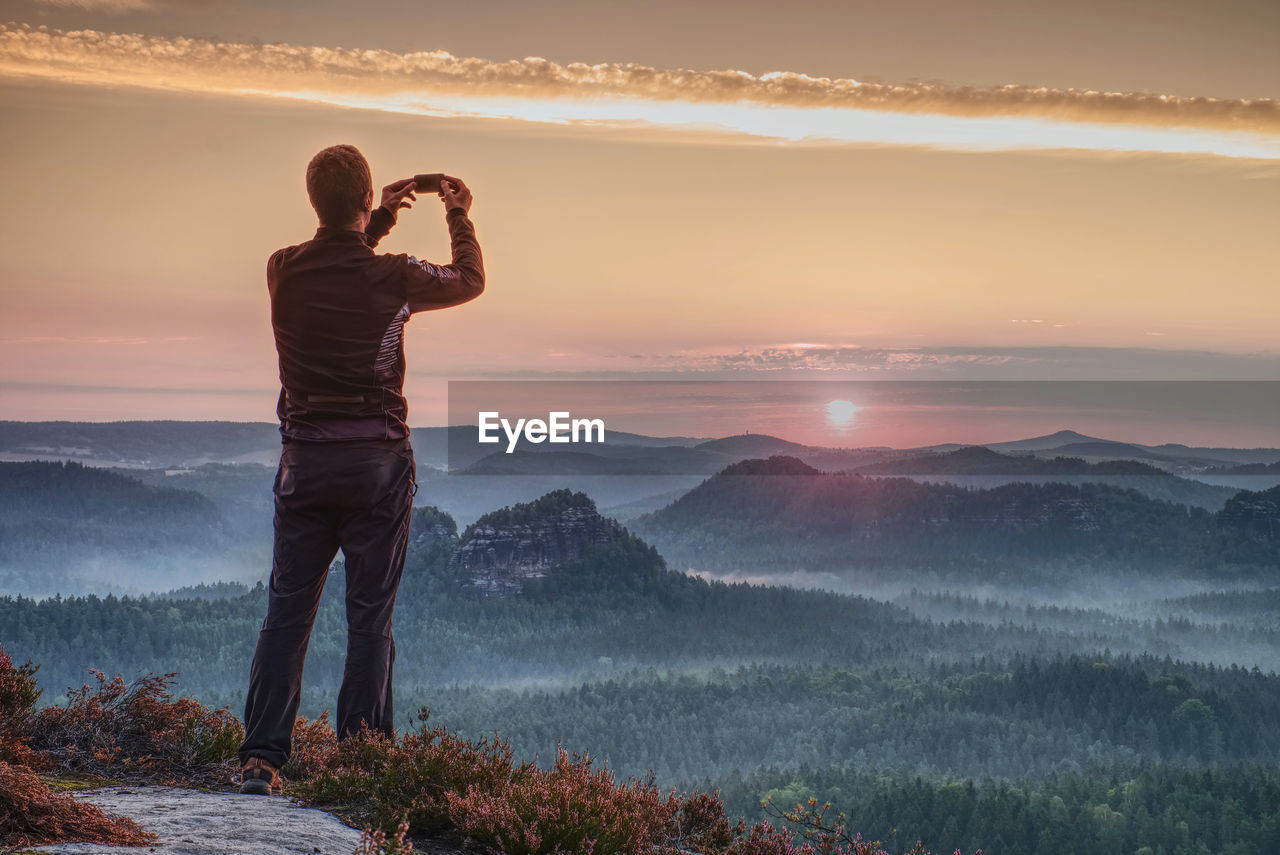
<point x="455" y="194"/>
<point x="397" y="195"/>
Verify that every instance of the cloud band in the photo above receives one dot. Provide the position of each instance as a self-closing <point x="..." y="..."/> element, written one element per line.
<point x="786" y="105"/>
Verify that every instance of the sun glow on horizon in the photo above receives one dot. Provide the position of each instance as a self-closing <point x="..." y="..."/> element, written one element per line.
<point x="840" y="413"/>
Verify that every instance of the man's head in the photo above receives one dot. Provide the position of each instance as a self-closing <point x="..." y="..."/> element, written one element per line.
<point x="340" y="186"/>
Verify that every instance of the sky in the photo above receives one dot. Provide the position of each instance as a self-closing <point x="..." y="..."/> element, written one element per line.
<point x="802" y="190"/>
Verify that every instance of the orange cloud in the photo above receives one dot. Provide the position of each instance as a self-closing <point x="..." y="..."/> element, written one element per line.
<point x="115" y="7"/>
<point x="783" y="104"/>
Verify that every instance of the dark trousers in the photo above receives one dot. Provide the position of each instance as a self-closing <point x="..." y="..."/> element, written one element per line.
<point x="353" y="495"/>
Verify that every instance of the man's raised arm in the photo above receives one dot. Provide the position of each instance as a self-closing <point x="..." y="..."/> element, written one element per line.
<point x="435" y="286"/>
<point x="395" y="196"/>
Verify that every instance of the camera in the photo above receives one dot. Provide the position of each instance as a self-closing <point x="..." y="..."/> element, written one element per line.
<point x="429" y="182"/>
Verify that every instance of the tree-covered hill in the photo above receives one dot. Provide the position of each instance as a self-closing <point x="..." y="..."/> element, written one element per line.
<point x="72" y="492"/>
<point x="66" y="526"/>
<point x="977" y="460"/>
<point x="781" y="509"/>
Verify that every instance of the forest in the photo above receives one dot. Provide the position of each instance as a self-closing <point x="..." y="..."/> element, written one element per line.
<point x="1038" y="667"/>
<point x="963" y="722"/>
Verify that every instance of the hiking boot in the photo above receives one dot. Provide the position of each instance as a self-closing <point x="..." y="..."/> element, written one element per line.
<point x="260" y="778"/>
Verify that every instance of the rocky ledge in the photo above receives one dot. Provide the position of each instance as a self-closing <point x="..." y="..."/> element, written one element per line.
<point x="190" y="822"/>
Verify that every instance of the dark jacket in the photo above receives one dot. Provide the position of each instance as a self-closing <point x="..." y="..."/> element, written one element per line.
<point x="338" y="310"/>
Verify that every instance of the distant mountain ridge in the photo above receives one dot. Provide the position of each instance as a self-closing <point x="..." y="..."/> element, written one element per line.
<point x="752" y="444"/>
<point x="1246" y="469"/>
<point x="155" y="444"/>
<point x="875" y="520"/>
<point x="982" y="460"/>
<point x="172" y="443"/>
<point x="232" y="464"/>
<point x="1069" y="441"/>
<point x="168" y="444"/>
<point x="1045" y="443"/>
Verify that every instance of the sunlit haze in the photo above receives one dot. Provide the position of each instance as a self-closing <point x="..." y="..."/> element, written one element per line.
<point x="775" y="191"/>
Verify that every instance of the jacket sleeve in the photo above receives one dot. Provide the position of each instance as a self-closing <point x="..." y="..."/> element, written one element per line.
<point x="434" y="286"/>
<point x="380" y="222"/>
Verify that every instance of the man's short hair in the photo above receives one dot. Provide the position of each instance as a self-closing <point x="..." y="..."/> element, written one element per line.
<point x="338" y="180"/>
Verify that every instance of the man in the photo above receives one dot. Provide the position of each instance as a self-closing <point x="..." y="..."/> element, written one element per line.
<point x="346" y="477"/>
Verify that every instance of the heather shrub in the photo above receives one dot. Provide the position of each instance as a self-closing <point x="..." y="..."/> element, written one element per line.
<point x="823" y="834"/>
<point x="373" y="780"/>
<point x="570" y="809"/>
<point x="431" y="781"/>
<point x="313" y="747"/>
<point x="352" y="780"/>
<point x="701" y="825"/>
<point x="138" y="732"/>
<point x="765" y="839"/>
<point x="375" y="842"/>
<point x="31" y="814"/>
<point x="18" y="696"/>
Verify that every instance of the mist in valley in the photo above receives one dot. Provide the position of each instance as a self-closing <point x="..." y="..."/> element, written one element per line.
<point x="834" y="635"/>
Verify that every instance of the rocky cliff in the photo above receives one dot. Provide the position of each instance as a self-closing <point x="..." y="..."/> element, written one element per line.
<point x="1255" y="515"/>
<point x="432" y="529"/>
<point x="502" y="551"/>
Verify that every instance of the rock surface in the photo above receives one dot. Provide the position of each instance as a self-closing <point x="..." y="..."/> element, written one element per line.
<point x="190" y="822"/>
<point x="498" y="554"/>
<point x="1256" y="515"/>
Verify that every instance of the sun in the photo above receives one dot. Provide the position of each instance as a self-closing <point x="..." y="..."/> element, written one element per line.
<point x="841" y="412"/>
